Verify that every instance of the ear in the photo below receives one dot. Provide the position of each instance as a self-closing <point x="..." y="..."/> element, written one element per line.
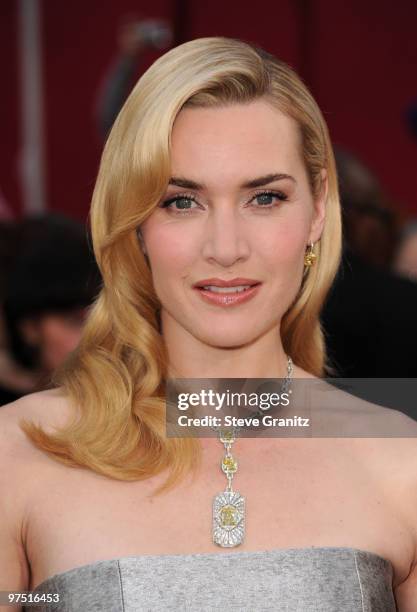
<point x="319" y="213"/>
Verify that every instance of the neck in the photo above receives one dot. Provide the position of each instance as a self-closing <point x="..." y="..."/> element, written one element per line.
<point x="189" y="357"/>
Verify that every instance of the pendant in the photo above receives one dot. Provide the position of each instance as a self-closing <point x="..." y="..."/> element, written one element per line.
<point x="228" y="519"/>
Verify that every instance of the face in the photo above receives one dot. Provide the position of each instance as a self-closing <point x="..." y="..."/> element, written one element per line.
<point x="406" y="261"/>
<point x="239" y="206"/>
<point x="55" y="335"/>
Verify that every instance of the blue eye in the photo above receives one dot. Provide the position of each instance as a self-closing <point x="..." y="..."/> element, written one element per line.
<point x="266" y="198"/>
<point x="182" y="204"/>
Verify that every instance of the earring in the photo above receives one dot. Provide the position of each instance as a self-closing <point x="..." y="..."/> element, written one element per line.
<point x="310" y="256"/>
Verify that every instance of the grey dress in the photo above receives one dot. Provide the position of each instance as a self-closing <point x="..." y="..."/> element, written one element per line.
<point x="322" y="579"/>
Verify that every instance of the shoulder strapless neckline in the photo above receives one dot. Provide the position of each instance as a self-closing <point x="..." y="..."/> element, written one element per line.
<point x="246" y="553"/>
<point x="284" y="580"/>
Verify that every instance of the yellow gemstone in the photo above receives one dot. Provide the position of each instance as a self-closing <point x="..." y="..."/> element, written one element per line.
<point x="229" y="465"/>
<point x="227" y="436"/>
<point x="310" y="259"/>
<point x="228" y="516"/>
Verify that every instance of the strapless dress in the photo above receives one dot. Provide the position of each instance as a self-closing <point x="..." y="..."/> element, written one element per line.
<point x="316" y="579"/>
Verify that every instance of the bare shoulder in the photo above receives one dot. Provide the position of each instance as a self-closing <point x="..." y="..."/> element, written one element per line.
<point x="50" y="409"/>
<point x="21" y="464"/>
<point x="384" y="439"/>
<point x="340" y="411"/>
<point x="381" y="444"/>
<point x="50" y="405"/>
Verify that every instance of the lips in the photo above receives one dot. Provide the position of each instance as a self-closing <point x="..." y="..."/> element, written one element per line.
<point x="227" y="293"/>
<point x="218" y="282"/>
<point x="227" y="297"/>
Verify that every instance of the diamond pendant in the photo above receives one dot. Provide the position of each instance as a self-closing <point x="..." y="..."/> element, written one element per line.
<point x="228" y="519"/>
<point x="229" y="506"/>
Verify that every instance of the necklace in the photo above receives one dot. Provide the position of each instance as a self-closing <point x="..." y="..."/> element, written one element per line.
<point x="229" y="506"/>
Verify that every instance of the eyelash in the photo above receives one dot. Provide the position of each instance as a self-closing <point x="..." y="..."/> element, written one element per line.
<point x="184" y="196"/>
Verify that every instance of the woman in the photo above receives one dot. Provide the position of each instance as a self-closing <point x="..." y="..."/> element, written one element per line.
<point x="221" y="158"/>
<point x="50" y="281"/>
<point x="405" y="260"/>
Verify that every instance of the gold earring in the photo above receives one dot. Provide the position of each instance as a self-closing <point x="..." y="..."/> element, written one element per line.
<point x="310" y="256"/>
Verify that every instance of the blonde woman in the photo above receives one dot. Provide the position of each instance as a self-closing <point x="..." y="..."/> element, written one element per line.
<point x="218" y="172"/>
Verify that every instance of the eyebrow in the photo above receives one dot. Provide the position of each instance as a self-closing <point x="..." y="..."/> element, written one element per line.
<point x="256" y="182"/>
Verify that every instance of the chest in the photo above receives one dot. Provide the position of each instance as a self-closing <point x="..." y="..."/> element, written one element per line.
<point x="297" y="495"/>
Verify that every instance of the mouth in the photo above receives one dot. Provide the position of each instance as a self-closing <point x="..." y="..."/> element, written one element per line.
<point x="227" y="293"/>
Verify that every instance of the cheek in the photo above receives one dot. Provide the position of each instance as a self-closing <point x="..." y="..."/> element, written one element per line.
<point x="283" y="247"/>
<point x="410" y="252"/>
<point x="59" y="339"/>
<point x="172" y="252"/>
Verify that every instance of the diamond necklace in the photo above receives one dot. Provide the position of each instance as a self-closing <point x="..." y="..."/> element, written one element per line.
<point x="229" y="506"/>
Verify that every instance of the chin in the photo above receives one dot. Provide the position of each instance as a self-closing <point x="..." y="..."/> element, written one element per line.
<point x="229" y="338"/>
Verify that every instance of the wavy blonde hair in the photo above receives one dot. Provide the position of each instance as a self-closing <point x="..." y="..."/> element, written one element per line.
<point x="115" y="379"/>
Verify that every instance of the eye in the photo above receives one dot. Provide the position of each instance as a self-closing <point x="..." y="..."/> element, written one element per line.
<point x="181" y="204"/>
<point x="266" y="199"/>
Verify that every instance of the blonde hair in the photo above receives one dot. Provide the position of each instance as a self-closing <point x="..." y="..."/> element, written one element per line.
<point x="116" y="377"/>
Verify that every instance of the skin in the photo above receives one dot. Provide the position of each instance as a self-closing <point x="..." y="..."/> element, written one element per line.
<point x="55" y="334"/>
<point x="406" y="260"/>
<point x="353" y="492"/>
<point x="230" y="232"/>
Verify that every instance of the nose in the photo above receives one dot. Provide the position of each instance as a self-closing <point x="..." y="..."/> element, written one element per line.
<point x="225" y="241"/>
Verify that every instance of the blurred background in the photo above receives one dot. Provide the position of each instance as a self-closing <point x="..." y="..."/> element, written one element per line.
<point x="67" y="69"/>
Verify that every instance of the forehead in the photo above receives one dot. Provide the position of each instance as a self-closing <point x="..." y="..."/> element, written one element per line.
<point x="235" y="140"/>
